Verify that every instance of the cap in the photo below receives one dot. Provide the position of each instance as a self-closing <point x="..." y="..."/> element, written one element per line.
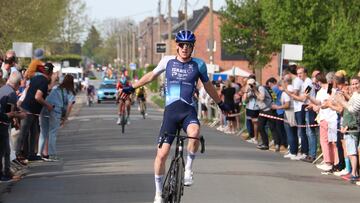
<point x="39" y="53"/>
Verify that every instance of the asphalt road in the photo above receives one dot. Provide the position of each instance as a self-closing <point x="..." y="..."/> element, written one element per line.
<point x="100" y="164"/>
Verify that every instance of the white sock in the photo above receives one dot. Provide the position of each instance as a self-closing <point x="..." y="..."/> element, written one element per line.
<point x="158" y="183"/>
<point x="189" y="160"/>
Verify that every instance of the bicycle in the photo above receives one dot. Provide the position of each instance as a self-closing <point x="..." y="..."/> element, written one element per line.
<point x="90" y="100"/>
<point x="142" y="107"/>
<point x="123" y="118"/>
<point x="173" y="187"/>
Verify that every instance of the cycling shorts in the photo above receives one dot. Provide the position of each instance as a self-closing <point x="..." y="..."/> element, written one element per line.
<point x="141" y="96"/>
<point x="177" y="115"/>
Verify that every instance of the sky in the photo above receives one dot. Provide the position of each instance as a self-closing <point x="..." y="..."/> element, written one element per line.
<point x="138" y="10"/>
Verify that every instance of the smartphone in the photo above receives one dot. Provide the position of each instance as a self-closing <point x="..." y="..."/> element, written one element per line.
<point x="308" y="89"/>
<point x="329" y="90"/>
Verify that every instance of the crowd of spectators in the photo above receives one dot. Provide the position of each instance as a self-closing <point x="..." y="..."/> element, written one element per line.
<point x="304" y="118"/>
<point x="34" y="103"/>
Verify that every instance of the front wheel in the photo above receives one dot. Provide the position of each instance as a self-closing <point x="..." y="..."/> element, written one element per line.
<point x="174" y="182"/>
<point x="123" y="123"/>
<point x="179" y="187"/>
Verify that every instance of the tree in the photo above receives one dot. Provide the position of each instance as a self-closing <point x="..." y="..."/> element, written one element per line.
<point x="343" y="41"/>
<point x="92" y="43"/>
<point x="303" y="22"/>
<point x="243" y="31"/>
<point x="29" y="21"/>
<point x="73" y="24"/>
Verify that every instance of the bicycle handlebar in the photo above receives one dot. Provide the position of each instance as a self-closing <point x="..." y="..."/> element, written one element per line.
<point x="201" y="139"/>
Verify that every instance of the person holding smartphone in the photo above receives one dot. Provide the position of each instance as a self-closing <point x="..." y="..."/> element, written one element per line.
<point x="7" y="105"/>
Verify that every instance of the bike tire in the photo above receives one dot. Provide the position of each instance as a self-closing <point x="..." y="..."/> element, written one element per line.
<point x="123" y="123"/>
<point x="168" y="184"/>
<point x="179" y="186"/>
<point x="142" y="109"/>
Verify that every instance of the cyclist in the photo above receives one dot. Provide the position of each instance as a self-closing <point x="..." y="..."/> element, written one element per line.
<point x="90" y="92"/>
<point x="122" y="83"/>
<point x="141" y="96"/>
<point x="182" y="72"/>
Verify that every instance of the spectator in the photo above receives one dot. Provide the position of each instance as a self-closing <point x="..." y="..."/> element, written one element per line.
<point x="203" y="98"/>
<point x="307" y="114"/>
<point x="281" y="138"/>
<point x="7" y="106"/>
<point x="229" y="93"/>
<point x="252" y="109"/>
<point x="9" y="64"/>
<point x="328" y="124"/>
<point x="350" y="128"/>
<point x="264" y="101"/>
<point x="298" y="101"/>
<point x="32" y="104"/>
<point x="351" y="108"/>
<point x="61" y="97"/>
<point x="290" y="125"/>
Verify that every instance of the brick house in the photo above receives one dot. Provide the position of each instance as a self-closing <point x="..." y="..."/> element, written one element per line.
<point x="199" y="24"/>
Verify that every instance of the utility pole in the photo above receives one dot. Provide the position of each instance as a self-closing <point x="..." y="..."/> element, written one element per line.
<point x="185" y="17"/>
<point x="133" y="47"/>
<point x="118" y="51"/>
<point x="211" y="31"/>
<point x="152" y="40"/>
<point x="121" y="49"/>
<point x="168" y="50"/>
<point x="126" y="48"/>
<point x="159" y="18"/>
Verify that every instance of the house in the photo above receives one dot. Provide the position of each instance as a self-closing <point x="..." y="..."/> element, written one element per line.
<point x="149" y="35"/>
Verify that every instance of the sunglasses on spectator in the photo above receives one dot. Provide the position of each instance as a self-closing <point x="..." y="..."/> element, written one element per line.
<point x="181" y="45"/>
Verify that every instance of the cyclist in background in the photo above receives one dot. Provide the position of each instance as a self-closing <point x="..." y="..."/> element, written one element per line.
<point x="90" y="92"/>
<point x="141" y="96"/>
<point x="182" y="73"/>
<point x="122" y="83"/>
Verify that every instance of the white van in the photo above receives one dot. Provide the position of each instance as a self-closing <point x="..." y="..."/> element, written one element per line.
<point x="77" y="73"/>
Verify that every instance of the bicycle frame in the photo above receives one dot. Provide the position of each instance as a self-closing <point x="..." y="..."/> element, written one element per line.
<point x="173" y="189"/>
<point x="122" y="107"/>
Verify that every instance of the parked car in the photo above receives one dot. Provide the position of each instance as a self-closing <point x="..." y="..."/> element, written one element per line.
<point x="77" y="73"/>
<point x="106" y="91"/>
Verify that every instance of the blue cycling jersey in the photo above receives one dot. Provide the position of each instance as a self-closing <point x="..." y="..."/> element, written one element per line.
<point x="181" y="78"/>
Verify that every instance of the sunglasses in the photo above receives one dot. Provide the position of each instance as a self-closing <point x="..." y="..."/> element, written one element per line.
<point x="189" y="45"/>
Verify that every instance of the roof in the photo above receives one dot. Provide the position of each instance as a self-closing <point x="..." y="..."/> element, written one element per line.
<point x="192" y="23"/>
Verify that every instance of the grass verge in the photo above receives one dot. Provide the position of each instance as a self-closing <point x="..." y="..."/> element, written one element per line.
<point x="159" y="101"/>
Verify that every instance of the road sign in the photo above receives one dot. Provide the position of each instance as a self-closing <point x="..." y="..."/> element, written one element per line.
<point x="160" y="48"/>
<point x="23" y="49"/>
<point x="292" y="52"/>
<point x="132" y="66"/>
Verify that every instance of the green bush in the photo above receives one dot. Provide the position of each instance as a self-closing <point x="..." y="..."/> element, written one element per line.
<point x="153" y="86"/>
<point x="159" y="101"/>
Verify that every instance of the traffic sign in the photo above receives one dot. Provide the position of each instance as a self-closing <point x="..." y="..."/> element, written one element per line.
<point x="160" y="48"/>
<point x="133" y="66"/>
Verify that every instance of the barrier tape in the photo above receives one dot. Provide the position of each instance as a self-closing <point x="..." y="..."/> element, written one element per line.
<point x="301" y="126"/>
<point x="28" y="113"/>
<point x="286" y="121"/>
